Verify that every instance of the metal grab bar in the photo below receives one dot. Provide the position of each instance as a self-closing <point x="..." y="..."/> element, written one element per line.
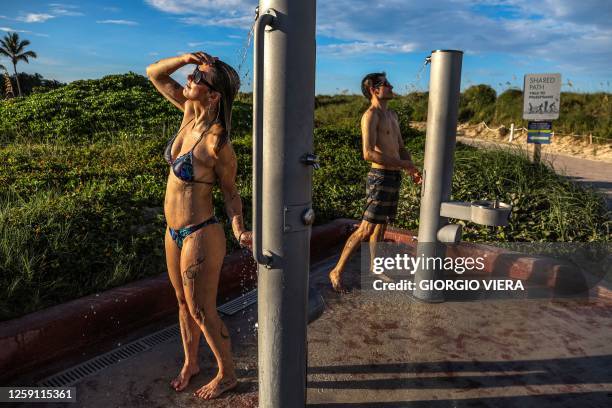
<point x="266" y="19"/>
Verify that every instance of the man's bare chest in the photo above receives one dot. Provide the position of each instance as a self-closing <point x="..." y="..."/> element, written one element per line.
<point x="387" y="133"/>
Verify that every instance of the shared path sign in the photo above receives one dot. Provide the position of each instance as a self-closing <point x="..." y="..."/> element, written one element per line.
<point x="541" y="95"/>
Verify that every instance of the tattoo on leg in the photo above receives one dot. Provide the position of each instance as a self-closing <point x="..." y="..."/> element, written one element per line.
<point x="199" y="314"/>
<point x="191" y="272"/>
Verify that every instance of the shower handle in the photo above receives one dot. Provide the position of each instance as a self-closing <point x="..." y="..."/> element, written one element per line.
<point x="266" y="19"/>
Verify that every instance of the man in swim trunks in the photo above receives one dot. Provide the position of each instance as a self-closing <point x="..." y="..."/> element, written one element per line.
<point x="384" y="147"/>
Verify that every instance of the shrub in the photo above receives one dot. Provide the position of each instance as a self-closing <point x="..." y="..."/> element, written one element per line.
<point x="477" y="104"/>
<point x="90" y="110"/>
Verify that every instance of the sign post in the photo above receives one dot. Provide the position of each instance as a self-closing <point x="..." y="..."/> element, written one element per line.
<point x="541" y="100"/>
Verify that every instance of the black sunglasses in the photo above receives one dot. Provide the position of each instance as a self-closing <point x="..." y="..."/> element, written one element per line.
<point x="198" y="77"/>
<point x="384" y="82"/>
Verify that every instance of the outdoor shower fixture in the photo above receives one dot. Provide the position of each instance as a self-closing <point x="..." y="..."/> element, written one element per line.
<point x="283" y="160"/>
<point x="436" y="207"/>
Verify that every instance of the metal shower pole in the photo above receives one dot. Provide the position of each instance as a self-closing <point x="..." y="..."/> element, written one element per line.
<point x="283" y="121"/>
<point x="444" y="84"/>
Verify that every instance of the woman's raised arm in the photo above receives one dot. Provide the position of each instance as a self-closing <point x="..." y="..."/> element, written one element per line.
<point x="159" y="73"/>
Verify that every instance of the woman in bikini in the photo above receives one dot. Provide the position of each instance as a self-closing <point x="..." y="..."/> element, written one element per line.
<point x="198" y="154"/>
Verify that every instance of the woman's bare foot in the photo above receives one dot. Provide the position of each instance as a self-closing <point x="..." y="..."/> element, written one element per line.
<point x="182" y="380"/>
<point x="336" y="281"/>
<point x="217" y="386"/>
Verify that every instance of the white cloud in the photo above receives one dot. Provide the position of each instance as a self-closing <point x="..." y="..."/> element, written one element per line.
<point x="60" y="9"/>
<point x="589" y="12"/>
<point x="558" y="30"/>
<point x="9" y="30"/>
<point x="35" y="18"/>
<point x="239" y="22"/>
<point x="210" y="44"/>
<point x="568" y="31"/>
<point x="119" y="22"/>
<point x="196" y="6"/>
<point x="344" y="49"/>
<point x="223" y="13"/>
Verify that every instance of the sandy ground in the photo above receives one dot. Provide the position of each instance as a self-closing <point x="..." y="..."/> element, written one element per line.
<point x="567" y="145"/>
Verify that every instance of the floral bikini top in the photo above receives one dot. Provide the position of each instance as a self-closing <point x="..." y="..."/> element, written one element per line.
<point x="182" y="166"/>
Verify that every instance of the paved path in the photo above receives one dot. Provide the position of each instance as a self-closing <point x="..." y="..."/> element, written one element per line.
<point x="596" y="174"/>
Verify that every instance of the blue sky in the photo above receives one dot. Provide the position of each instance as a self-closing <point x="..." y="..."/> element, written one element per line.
<point x="502" y="40"/>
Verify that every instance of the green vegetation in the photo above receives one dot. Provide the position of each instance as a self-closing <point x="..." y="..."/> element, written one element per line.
<point x="477" y="103"/>
<point x="84" y="181"/>
<point x="580" y="113"/>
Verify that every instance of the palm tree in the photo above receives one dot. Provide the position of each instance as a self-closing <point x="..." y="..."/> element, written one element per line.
<point x="12" y="47"/>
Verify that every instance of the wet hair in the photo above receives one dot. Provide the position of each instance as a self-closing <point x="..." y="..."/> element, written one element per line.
<point x="226" y="81"/>
<point x="369" y="81"/>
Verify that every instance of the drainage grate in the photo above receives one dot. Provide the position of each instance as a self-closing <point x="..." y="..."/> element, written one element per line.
<point x="75" y="374"/>
<point x="236" y="305"/>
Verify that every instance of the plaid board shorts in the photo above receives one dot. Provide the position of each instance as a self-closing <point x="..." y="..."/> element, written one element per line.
<point x="382" y="189"/>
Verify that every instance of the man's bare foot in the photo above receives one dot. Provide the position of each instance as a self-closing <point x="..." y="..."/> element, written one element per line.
<point x="336" y="281"/>
<point x="182" y="380"/>
<point x="216" y="387"/>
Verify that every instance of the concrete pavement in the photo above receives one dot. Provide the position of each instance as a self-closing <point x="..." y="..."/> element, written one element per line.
<point x="386" y="351"/>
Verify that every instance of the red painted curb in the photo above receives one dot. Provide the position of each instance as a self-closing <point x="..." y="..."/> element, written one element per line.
<point x="502" y="263"/>
<point x="53" y="333"/>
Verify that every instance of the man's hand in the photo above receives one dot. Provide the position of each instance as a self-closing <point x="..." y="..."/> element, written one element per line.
<point x="414" y="173"/>
<point x="416" y="177"/>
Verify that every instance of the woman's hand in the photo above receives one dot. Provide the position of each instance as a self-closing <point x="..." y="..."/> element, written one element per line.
<point x="199" y="58"/>
<point x="245" y="239"/>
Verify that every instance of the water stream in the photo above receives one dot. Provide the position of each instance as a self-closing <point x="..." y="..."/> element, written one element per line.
<point x="243" y="69"/>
